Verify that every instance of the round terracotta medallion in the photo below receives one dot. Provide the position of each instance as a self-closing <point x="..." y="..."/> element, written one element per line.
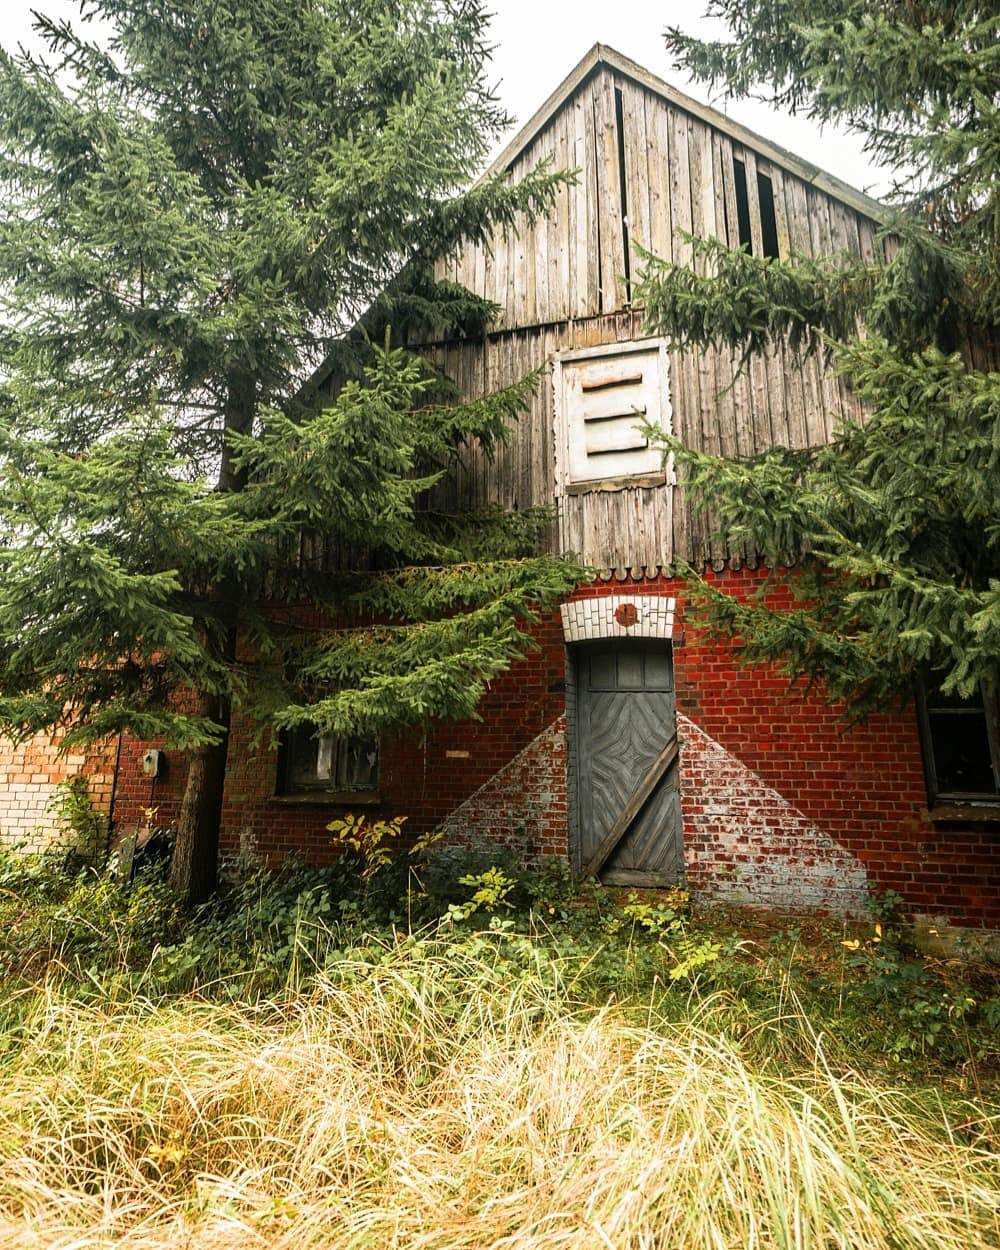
<point x="626" y="615"/>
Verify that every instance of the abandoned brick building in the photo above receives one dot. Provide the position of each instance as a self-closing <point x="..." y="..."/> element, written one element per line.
<point x="771" y="800"/>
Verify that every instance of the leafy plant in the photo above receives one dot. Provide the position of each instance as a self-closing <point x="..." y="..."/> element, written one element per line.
<point x="491" y="890"/>
<point x="82" y="826"/>
<point x="372" y="841"/>
<point x="661" y="918"/>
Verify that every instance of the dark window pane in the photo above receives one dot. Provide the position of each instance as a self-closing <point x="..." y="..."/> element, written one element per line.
<point x="306" y="758"/>
<point x="357" y="764"/>
<point x="325" y="762"/>
<point x="603" y="667"/>
<point x="938" y="701"/>
<point x="658" y="671"/>
<point x="961" y="746"/>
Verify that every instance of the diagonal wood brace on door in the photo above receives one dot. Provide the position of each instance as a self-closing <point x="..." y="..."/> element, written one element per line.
<point x="633" y="807"/>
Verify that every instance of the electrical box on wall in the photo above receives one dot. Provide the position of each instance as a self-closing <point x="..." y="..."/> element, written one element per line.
<point x="152" y="763"/>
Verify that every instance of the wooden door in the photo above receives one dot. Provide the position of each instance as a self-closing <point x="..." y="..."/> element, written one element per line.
<point x="628" y="804"/>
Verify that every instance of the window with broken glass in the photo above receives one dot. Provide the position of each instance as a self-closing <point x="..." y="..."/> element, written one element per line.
<point x="326" y="765"/>
<point x="961" y="740"/>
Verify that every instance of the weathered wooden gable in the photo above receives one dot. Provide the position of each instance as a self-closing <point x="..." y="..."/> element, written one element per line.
<point x="652" y="166"/>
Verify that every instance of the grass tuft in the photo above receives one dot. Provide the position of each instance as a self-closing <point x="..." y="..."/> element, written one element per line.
<point x="425" y="1098"/>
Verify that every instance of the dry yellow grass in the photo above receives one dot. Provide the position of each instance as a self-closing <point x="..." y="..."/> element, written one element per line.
<point x="426" y="1102"/>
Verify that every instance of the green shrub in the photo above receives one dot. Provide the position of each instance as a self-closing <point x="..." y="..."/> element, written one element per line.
<point x="269" y="930"/>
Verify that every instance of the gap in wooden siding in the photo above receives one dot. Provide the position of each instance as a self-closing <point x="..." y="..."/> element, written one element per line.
<point x="623" y="193"/>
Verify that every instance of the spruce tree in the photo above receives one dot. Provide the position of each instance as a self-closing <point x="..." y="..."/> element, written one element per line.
<point x="195" y="216"/>
<point x="893" y="530"/>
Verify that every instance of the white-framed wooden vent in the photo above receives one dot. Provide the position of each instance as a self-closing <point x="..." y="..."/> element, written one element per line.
<point x="603" y="396"/>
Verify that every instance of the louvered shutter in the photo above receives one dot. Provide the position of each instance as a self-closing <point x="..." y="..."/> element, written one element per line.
<point x="603" y="397"/>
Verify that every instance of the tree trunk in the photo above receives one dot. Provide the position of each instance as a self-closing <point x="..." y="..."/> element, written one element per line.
<point x="194" y="866"/>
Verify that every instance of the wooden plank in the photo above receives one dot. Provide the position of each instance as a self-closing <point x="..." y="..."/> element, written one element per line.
<point x="612" y="247"/>
<point x="726" y="395"/>
<point x="687" y="405"/>
<point x="704" y="227"/>
<point x="658" y="167"/>
<point x="632" y="808"/>
<point x="636" y="170"/>
<point x="526" y="271"/>
<point x="479" y="271"/>
<point x="525" y="348"/>
<point x="850" y="227"/>
<point x="499" y="291"/>
<point x="592" y="187"/>
<point x="822" y="237"/>
<point x="624" y="878"/>
<point x="766" y="372"/>
<point x="866" y="240"/>
<point x="680" y="188"/>
<point x="809" y="368"/>
<point x="781" y="213"/>
<point x="560" y="278"/>
<point x="554" y="304"/>
<point x="580" y="286"/>
<point x="702" y="157"/>
<point x="738" y="384"/>
<point x="749" y="159"/>
<point x="489" y="270"/>
<point x="797" y="210"/>
<point x="523" y="267"/>
<point x="795" y="395"/>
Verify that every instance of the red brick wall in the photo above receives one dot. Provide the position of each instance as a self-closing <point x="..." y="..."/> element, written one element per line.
<point x="782" y="804"/>
<point x="424" y="777"/>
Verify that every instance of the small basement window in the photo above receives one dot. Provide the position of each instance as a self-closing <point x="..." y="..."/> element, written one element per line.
<point x="327" y="766"/>
<point x="604" y="395"/>
<point x="961" y="748"/>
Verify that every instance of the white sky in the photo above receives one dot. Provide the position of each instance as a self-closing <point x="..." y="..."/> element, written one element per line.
<point x="539" y="42"/>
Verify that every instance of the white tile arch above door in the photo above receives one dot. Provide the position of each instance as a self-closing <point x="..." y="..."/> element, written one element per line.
<point x="618" y="616"/>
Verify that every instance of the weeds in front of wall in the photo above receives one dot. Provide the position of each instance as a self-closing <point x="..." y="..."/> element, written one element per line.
<point x="330" y="1059"/>
<point x="457" y="1094"/>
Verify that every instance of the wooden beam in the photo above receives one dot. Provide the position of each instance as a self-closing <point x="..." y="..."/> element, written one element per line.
<point x="633" y="807"/>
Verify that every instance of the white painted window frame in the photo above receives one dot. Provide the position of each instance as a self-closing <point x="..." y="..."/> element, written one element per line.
<point x="562" y="424"/>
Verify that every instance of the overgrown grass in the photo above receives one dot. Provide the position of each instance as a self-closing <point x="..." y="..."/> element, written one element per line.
<point x="304" y="1074"/>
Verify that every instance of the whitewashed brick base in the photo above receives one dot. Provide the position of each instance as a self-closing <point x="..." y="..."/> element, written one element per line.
<point x="30" y="774"/>
<point x="584" y="619"/>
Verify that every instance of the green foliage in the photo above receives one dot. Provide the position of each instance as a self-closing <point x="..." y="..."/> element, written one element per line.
<point x="867" y="993"/>
<point x="372" y="841"/>
<point x="660" y="918"/>
<point x="214" y="236"/>
<point x="490" y="894"/>
<point x="894" y="528"/>
<point x="91" y="925"/>
<point x="80" y="824"/>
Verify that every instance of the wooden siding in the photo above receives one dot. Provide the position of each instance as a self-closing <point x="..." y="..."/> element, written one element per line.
<point x="678" y="177"/>
<point x="564" y="283"/>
